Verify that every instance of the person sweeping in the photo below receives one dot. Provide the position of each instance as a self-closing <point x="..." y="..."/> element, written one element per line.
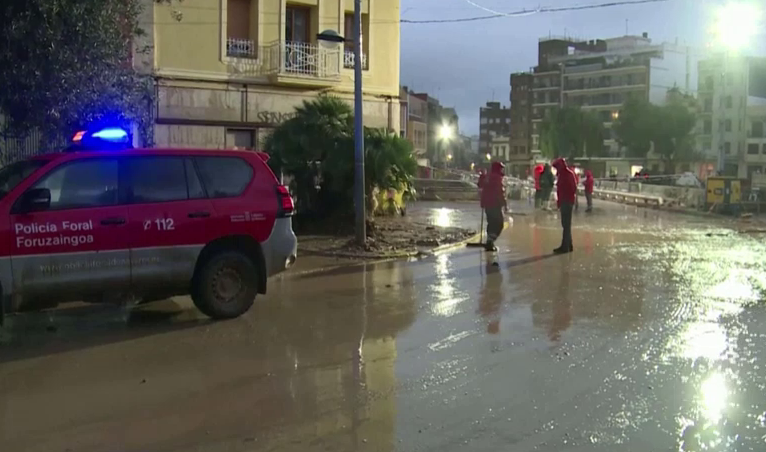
<point x="493" y="202"/>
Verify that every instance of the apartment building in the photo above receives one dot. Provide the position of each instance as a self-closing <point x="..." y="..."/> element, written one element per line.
<point x="414" y="125"/>
<point x="599" y="76"/>
<point x="500" y="149"/>
<point x="732" y="91"/>
<point x="755" y="156"/>
<point x="521" y="158"/>
<point x="229" y="71"/>
<point x="494" y="121"/>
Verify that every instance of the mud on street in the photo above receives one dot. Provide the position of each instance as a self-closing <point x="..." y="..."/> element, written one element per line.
<point x="651" y="336"/>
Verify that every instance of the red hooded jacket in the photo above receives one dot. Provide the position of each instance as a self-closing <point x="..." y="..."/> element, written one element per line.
<point x="538" y="171"/>
<point x="588" y="181"/>
<point x="566" y="184"/>
<point x="492" y="189"/>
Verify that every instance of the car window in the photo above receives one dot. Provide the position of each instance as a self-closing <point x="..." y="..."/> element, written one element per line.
<point x="82" y="183"/>
<point x="196" y="191"/>
<point x="156" y="179"/>
<point x="224" y="177"/>
<point x="13" y="174"/>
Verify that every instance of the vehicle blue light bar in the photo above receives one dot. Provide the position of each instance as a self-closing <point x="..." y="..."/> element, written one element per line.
<point x="112" y="134"/>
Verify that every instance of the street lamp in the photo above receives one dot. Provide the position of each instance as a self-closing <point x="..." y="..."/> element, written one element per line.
<point x="489" y="157"/>
<point x="330" y="36"/>
<point x="446" y="132"/>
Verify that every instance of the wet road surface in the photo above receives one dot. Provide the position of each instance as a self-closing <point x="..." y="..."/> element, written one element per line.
<point x="650" y="337"/>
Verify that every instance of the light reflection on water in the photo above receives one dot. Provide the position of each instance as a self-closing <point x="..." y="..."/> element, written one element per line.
<point x="446" y="296"/>
<point x="714" y="397"/>
<point x="442" y="217"/>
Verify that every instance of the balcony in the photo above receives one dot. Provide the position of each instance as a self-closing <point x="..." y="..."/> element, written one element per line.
<point x="240" y="48"/>
<point x="348" y="60"/>
<point x="300" y="63"/>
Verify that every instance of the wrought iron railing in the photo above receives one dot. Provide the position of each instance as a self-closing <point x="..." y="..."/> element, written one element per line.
<point x="348" y="60"/>
<point x="241" y="48"/>
<point x="300" y="59"/>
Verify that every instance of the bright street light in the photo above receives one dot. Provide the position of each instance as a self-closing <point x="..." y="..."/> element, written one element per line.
<point x="446" y="132"/>
<point x="449" y="156"/>
<point x="736" y="23"/>
<point x="489" y="157"/>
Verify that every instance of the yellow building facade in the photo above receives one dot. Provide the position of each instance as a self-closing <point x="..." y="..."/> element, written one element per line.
<point x="229" y="71"/>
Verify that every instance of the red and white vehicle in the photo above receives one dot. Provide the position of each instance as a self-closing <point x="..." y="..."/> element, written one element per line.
<point x="92" y="225"/>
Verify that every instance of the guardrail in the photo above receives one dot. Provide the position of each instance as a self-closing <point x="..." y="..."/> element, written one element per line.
<point x="627" y="197"/>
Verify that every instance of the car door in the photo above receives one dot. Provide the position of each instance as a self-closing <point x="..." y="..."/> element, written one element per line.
<point x="77" y="244"/>
<point x="169" y="215"/>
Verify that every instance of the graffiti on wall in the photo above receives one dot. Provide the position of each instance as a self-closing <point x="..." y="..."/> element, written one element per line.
<point x="274" y="117"/>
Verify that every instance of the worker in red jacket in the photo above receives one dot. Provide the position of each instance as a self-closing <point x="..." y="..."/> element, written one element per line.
<point x="588" y="185"/>
<point x="566" y="192"/>
<point x="493" y="202"/>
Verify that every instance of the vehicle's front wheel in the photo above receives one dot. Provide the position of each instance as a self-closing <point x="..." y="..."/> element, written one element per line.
<point x="226" y="285"/>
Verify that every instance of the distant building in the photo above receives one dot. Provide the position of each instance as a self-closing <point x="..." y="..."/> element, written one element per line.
<point x="414" y="124"/>
<point x="494" y="121"/>
<point x="598" y="76"/>
<point x="520" y="159"/>
<point x="500" y="148"/>
<point x="732" y="91"/>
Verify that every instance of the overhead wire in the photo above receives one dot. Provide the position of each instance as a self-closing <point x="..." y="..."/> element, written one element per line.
<point x="528" y="12"/>
<point x="494" y="14"/>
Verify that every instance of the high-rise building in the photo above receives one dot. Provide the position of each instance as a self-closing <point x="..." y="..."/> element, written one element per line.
<point x="597" y="76"/>
<point x="732" y="90"/>
<point x="520" y="159"/>
<point x="494" y="121"/>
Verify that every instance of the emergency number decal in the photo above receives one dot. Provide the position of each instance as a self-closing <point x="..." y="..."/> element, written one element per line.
<point x="69" y="233"/>
<point x="161" y="224"/>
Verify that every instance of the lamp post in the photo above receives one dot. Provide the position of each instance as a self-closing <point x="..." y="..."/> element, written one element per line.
<point x="334" y="38"/>
<point x="734" y="26"/>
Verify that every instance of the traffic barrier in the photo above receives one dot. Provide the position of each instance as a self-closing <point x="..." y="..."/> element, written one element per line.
<point x="627" y="197"/>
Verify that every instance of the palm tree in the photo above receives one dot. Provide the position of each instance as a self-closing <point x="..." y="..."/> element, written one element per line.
<point x="316" y="148"/>
<point x="320" y="127"/>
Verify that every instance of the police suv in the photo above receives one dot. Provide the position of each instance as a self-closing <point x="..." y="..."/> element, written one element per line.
<point x="102" y="220"/>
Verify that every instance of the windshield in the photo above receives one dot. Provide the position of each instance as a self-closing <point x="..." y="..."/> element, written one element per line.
<point x="13" y="174"/>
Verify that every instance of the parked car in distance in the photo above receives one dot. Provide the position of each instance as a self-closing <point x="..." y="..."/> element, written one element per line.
<point x="102" y="220"/>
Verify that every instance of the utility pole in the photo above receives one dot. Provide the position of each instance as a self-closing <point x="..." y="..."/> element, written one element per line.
<point x="359" y="195"/>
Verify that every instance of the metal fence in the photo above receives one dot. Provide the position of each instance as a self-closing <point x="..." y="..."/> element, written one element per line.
<point x="13" y="149"/>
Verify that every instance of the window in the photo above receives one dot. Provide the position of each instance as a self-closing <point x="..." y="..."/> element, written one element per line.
<point x="82" y="183"/>
<point x="708" y="126"/>
<point x="727" y="147"/>
<point x="240" y="139"/>
<point x="728" y="102"/>
<point x="297" y="26"/>
<point x="709" y="82"/>
<point x="240" y="42"/>
<point x="708" y="105"/>
<point x="156" y="179"/>
<point x="196" y="191"/>
<point x="13" y="174"/>
<point x="224" y="177"/>
<point x="756" y="129"/>
<point x="752" y="149"/>
<point x="728" y="125"/>
<point x="348" y="45"/>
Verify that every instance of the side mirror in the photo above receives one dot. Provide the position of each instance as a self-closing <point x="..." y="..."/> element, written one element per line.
<point x="36" y="199"/>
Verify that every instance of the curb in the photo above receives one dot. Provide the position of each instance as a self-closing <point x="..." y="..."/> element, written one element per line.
<point x="393" y="256"/>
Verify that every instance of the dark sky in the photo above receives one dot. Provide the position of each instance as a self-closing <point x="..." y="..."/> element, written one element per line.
<point x="466" y="64"/>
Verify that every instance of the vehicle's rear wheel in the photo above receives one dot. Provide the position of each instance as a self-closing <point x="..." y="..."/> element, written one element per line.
<point x="226" y="285"/>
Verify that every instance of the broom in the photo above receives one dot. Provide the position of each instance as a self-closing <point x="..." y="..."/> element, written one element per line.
<point x="480" y="243"/>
